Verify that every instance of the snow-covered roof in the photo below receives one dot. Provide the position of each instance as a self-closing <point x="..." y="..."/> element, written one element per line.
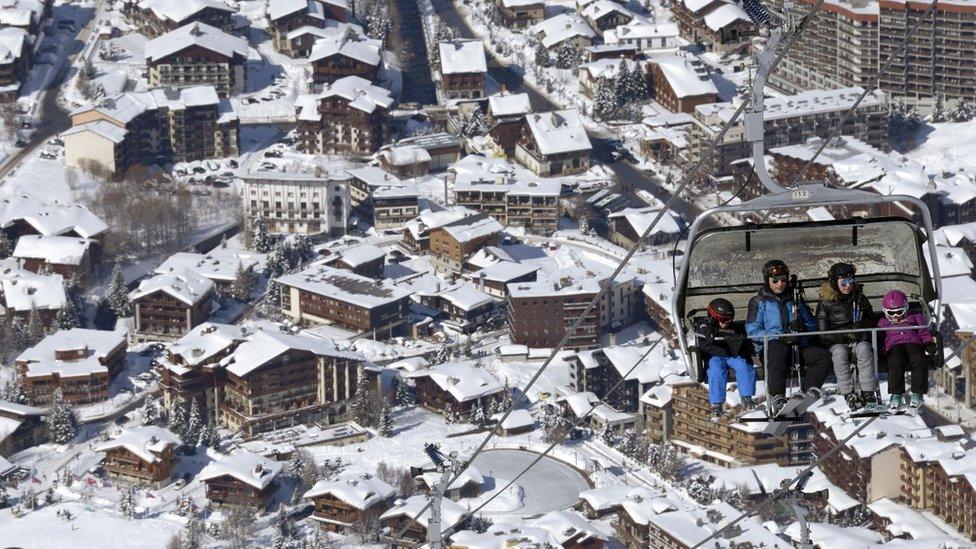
<point x="522" y="3"/>
<point x="410" y="364"/>
<point x="203" y="342"/>
<point x="464" y="296"/>
<point x="360" y="93"/>
<point x="405" y="155"/>
<point x="687" y="77"/>
<point x="471" y="228"/>
<point x="952" y="235"/>
<point x="12" y="43"/>
<point x="198" y="35"/>
<point x="568" y="525"/>
<point x="463" y="381"/>
<point x="187" y="286"/>
<point x="23" y="290"/>
<point x="60" y="250"/>
<point x="264" y="345"/>
<point x="509" y="104"/>
<point x="361" y="255"/>
<point x="374" y="176"/>
<point x="952" y="261"/>
<point x="347" y="43"/>
<point x="623" y="359"/>
<point x="345" y="286"/>
<point x="558" y="132"/>
<point x="503" y="271"/>
<point x="958" y="289"/>
<point x="637" y="31"/>
<point x="50" y="219"/>
<point x="147" y="442"/>
<point x="724" y="15"/>
<point x="469" y="475"/>
<point x="101" y="128"/>
<point x="518" y="419"/>
<point x="127" y="106"/>
<point x="360" y="491"/>
<point x="606" y="68"/>
<point x="219" y="264"/>
<point x="180" y="10"/>
<point x="555" y="30"/>
<point x="640" y="220"/>
<point x="251" y="469"/>
<point x="694" y="6"/>
<point x="451" y="512"/>
<point x="510" y="534"/>
<point x="600" y="8"/>
<point x="905" y="520"/>
<point x="280" y="8"/>
<point x="804" y="103"/>
<point x="607" y="497"/>
<point x="20" y="409"/>
<point x="563" y="287"/>
<point x="462" y="56"/>
<point x="98" y="343"/>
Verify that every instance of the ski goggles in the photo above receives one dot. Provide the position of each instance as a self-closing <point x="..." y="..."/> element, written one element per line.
<point x="779" y="273"/>
<point x="896" y="313"/>
<point x="846" y="281"/>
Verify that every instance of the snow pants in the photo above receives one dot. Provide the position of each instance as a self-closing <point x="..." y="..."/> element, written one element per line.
<point x="840" y="355"/>
<point x="815" y="360"/>
<point x="718" y="377"/>
<point x="900" y="357"/>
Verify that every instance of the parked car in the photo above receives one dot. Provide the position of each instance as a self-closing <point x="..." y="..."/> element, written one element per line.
<point x="199" y="169"/>
<point x="20" y="143"/>
<point x="48" y="155"/>
<point x="273" y="154"/>
<point x="232" y="163"/>
<point x="56" y="142"/>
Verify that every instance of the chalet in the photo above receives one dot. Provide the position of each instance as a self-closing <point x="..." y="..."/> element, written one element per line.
<point x="520" y="14"/>
<point x="604" y="70"/>
<point x="563" y="29"/>
<point x="462" y="387"/>
<point x="70" y="257"/>
<point x="23" y="293"/>
<point x="465" y="309"/>
<point x="23" y="215"/>
<point x="605" y="501"/>
<point x="326" y="295"/>
<point x="197" y="54"/>
<point x="540" y="312"/>
<point x="20" y="427"/>
<point x="506" y="111"/>
<point x="518" y="422"/>
<point x="603" y="15"/>
<point x="157" y="17"/>
<point x="351" y="500"/>
<point x="274" y="379"/>
<point x="451" y="244"/>
<point x="80" y="362"/>
<point x="169" y="305"/>
<point x="189" y="369"/>
<point x="145" y="455"/>
<point x="220" y="265"/>
<point x="349" y="116"/>
<point x="467" y="484"/>
<point x="443" y="148"/>
<point x="17" y="47"/>
<point x="416" y="232"/>
<point x="404" y="160"/>
<point x="364" y="260"/>
<point x="463" y="69"/>
<point x="554" y="143"/>
<point x="680" y="83"/>
<point x="494" y="279"/>
<point x="628" y="225"/>
<point x="644" y="36"/>
<point x="393" y="207"/>
<point x="570" y="530"/>
<point x="336" y="10"/>
<point x="26" y="15"/>
<point x="720" y="25"/>
<point x="415" y="513"/>
<point x="295" y="24"/>
<point x="346" y="53"/>
<point x="241" y="479"/>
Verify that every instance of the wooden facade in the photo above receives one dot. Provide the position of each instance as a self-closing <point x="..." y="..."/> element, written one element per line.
<point x="521" y="14"/>
<point x="335" y="515"/>
<point x="327" y="70"/>
<point x="227" y="490"/>
<point x="83" y="386"/>
<point x="540" y="321"/>
<point x="342" y="128"/>
<point x="152" y="25"/>
<point x="31" y="431"/>
<point x="465" y="85"/>
<point x="160" y="315"/>
<point x="663" y="92"/>
<point x="121" y="462"/>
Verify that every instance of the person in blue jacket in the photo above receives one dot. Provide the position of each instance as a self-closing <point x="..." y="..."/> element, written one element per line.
<point x="771" y="312"/>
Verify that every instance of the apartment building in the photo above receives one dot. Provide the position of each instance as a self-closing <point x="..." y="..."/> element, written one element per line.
<point x="298" y="203"/>
<point x="157" y="17"/>
<point x="295" y="24"/>
<point x="167" y="306"/>
<point x="530" y="204"/>
<point x="936" y="477"/>
<point x="346" y="53"/>
<point x="219" y="265"/>
<point x="326" y="295"/>
<point x="521" y="14"/>
<point x="506" y="112"/>
<point x="461" y="306"/>
<point x="719" y="25"/>
<point x="604" y="15"/>
<point x="198" y="54"/>
<point x="727" y="442"/>
<point x="463" y="69"/>
<point x="416" y="232"/>
<point x="565" y="28"/>
<point x="16" y="54"/>
<point x="644" y="36"/>
<point x="788" y="120"/>
<point x="190" y="369"/>
<point x="70" y="257"/>
<point x="840" y="50"/>
<point x="159" y="126"/>
<point x="680" y="82"/>
<point x="348" y="116"/>
<point x="393" y="207"/>
<point x="597" y="371"/>
<point x="554" y="143"/>
<point x="539" y="313"/>
<point x="274" y="379"/>
<point x="24" y="426"/>
<point x="80" y="362"/>
<point x="453" y="243"/>
<point x="23" y="293"/>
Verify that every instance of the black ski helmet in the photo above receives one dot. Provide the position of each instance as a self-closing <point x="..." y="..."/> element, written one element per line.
<point x="774" y="267"/>
<point x="721" y="310"/>
<point x="839" y="271"/>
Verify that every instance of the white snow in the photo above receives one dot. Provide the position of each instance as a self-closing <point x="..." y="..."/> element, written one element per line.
<point x="462" y="57"/>
<point x="196" y="35"/>
<point x="147" y="442"/>
<point x="463" y="381"/>
<point x="360" y="491"/>
<point x="187" y="286"/>
<point x="251" y="469"/>
<point x="558" y="132"/>
<point x="60" y="250"/>
<point x="24" y="290"/>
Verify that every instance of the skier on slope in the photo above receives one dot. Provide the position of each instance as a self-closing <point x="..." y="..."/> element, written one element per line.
<point x="772" y="311"/>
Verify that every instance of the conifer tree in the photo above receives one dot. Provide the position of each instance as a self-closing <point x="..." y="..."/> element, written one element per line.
<point x="127" y="504"/>
<point x="61" y="422"/>
<point x="177" y="417"/>
<point x="35" y="329"/>
<point x="117" y="294"/>
<point x="150" y="412"/>
<point x="29" y="500"/>
<point x="542" y="58"/>
<point x="361" y="404"/>
<point x="605" y="100"/>
<point x="261" y="240"/>
<point x="243" y="283"/>
<point x="193" y="536"/>
<point x="386" y="421"/>
<point x="194" y="424"/>
<point x="6" y="248"/>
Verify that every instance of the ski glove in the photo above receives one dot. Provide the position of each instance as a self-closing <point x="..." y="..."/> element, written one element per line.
<point x="797" y="326"/>
<point x="930" y="349"/>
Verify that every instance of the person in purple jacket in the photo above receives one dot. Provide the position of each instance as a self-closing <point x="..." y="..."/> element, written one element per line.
<point x="908" y="347"/>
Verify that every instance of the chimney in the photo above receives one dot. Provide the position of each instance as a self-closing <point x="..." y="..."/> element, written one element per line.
<point x="195" y="31"/>
<point x="259" y="469"/>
